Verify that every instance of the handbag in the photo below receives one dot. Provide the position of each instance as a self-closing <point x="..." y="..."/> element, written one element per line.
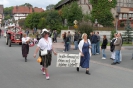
<point x="44" y="52"/>
<point x="39" y="60"/>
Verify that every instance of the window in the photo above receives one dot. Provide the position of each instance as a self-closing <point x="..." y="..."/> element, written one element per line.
<point x="125" y="3"/>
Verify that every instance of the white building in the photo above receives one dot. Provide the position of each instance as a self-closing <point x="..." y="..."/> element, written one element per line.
<point x="21" y="12"/>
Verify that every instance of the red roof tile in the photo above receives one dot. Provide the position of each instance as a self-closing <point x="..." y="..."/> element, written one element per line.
<point x="22" y="9"/>
<point x="38" y="10"/>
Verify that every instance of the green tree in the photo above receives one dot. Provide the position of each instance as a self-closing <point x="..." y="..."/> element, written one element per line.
<point x="42" y="23"/>
<point x="32" y="20"/>
<point x="102" y="11"/>
<point x="50" y="7"/>
<point x="54" y="20"/>
<point x="8" y="13"/>
<point x="72" y="12"/>
<point x="85" y="28"/>
<point x="128" y="32"/>
<point x="26" y="4"/>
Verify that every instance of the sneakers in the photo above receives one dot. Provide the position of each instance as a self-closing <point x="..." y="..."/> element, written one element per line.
<point x="97" y="53"/>
<point x="44" y="73"/>
<point x="47" y="77"/>
<point x="103" y="58"/>
<point x="42" y="69"/>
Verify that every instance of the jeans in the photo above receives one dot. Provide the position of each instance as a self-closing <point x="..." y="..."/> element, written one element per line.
<point x="98" y="47"/>
<point x="117" y="56"/>
<point x="76" y="45"/>
<point x="113" y="55"/>
<point x="103" y="53"/>
<point x="93" y="49"/>
<point x="69" y="46"/>
<point x="66" y="46"/>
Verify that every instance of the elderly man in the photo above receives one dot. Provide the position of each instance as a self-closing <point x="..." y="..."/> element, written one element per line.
<point x="118" y="45"/>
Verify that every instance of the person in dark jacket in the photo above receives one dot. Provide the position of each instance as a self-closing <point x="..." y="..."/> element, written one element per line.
<point x="103" y="47"/>
<point x="67" y="42"/>
<point x="76" y="41"/>
<point x="94" y="40"/>
<point x="90" y="37"/>
<point x="112" y="47"/>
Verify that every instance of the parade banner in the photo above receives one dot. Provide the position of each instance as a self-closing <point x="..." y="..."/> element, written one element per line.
<point x="68" y="60"/>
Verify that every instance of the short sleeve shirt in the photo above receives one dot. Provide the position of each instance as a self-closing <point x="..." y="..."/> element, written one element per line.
<point x="44" y="44"/>
<point x="24" y="40"/>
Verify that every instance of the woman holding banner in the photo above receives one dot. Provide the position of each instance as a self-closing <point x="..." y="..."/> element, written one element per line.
<point x="45" y="47"/>
<point x="84" y="48"/>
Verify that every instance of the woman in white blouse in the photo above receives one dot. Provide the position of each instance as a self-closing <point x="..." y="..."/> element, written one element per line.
<point x="84" y="48"/>
<point x="45" y="43"/>
<point x="25" y="46"/>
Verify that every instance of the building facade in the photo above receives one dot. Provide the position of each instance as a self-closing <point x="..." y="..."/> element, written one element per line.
<point x="21" y="12"/>
<point x="85" y="5"/>
<point x="1" y="14"/>
<point x="123" y="9"/>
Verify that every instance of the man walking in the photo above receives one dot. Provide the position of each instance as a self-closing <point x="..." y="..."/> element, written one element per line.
<point x="55" y="36"/>
<point x="76" y="41"/>
<point x="98" y="43"/>
<point x="118" y="45"/>
<point x="69" y="35"/>
<point x="94" y="41"/>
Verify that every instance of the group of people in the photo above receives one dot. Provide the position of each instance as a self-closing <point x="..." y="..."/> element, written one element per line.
<point x="95" y="40"/>
<point x="67" y="41"/>
<point x="86" y="46"/>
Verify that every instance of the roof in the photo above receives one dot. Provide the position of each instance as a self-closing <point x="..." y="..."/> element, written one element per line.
<point x="38" y="10"/>
<point x="1" y="9"/>
<point x="61" y="3"/>
<point x="22" y="9"/>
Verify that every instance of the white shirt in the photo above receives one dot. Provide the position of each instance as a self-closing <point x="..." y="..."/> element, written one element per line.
<point x="24" y="40"/>
<point x="44" y="44"/>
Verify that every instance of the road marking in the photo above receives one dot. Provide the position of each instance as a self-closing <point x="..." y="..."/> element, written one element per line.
<point x="112" y="66"/>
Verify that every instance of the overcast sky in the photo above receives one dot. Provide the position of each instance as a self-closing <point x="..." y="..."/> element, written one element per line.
<point x="35" y="3"/>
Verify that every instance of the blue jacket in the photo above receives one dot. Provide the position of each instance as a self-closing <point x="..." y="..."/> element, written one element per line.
<point x="94" y="39"/>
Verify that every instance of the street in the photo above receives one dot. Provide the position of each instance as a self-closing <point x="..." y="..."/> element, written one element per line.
<point x="15" y="73"/>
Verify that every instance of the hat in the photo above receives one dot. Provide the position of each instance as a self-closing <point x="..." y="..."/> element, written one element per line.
<point x="44" y="30"/>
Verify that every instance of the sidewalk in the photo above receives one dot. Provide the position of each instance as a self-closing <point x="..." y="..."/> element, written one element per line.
<point x="60" y="45"/>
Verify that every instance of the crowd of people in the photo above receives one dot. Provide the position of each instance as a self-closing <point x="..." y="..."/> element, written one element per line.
<point x="87" y="45"/>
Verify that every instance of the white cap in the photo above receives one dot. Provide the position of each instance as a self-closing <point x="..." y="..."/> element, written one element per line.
<point x="44" y="30"/>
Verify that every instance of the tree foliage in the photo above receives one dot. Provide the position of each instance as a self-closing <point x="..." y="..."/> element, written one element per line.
<point x="102" y="11"/>
<point x="53" y="20"/>
<point x="72" y="12"/>
<point x="50" y="7"/>
<point x="8" y="12"/>
<point x="26" y="4"/>
<point x="32" y="20"/>
<point x="128" y="32"/>
<point x="85" y="28"/>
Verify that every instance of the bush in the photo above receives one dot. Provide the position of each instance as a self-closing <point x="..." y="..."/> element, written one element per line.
<point x="112" y="34"/>
<point x="122" y="24"/>
<point x="85" y="28"/>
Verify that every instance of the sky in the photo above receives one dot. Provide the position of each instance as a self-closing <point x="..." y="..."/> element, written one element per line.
<point x="35" y="3"/>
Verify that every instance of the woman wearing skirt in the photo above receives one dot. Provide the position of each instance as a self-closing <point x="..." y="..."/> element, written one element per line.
<point x="45" y="43"/>
<point x="25" y="46"/>
<point x="84" y="47"/>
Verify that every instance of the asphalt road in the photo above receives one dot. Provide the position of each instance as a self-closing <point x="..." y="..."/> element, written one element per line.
<point x="15" y="73"/>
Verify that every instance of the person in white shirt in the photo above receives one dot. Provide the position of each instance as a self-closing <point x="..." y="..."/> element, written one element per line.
<point x="25" y="46"/>
<point x="45" y="43"/>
